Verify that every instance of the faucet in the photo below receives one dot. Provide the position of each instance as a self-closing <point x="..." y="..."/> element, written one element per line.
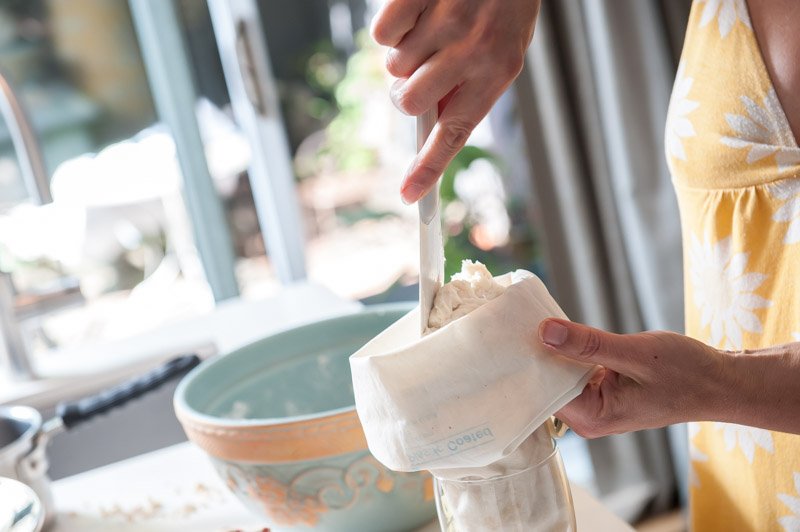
<point x="26" y="146"/>
<point x="16" y="308"/>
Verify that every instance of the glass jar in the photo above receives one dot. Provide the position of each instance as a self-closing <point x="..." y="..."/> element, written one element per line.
<point x="537" y="498"/>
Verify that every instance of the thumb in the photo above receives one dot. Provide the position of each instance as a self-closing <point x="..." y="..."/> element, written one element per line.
<point x="617" y="352"/>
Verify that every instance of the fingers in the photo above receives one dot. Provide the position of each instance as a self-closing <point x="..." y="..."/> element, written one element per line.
<point x="459" y="54"/>
<point x="585" y="414"/>
<point x="413" y="50"/>
<point x="598" y="376"/>
<point x="467" y="106"/>
<point x="395" y="19"/>
<point x="618" y="404"/>
<point x="625" y="354"/>
<point x="608" y="406"/>
<point x="427" y="86"/>
<point x="444" y="101"/>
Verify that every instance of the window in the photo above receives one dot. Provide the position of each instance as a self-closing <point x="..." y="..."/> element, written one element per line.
<point x="185" y="173"/>
<point x="113" y="254"/>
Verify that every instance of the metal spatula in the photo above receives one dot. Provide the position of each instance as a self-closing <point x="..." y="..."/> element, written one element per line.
<point x="431" y="249"/>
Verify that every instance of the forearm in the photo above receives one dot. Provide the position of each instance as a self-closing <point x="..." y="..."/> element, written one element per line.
<point x="762" y="389"/>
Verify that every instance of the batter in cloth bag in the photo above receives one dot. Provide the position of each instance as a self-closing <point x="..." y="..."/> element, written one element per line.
<point x="471" y="401"/>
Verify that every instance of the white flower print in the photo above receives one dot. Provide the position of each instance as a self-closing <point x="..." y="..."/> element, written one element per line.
<point x="765" y="131"/>
<point x="788" y="190"/>
<point x="747" y="438"/>
<point x="695" y="455"/>
<point x="791" y="523"/>
<point x="723" y="292"/>
<point x="727" y="12"/>
<point x="678" y="123"/>
<point x="796" y="336"/>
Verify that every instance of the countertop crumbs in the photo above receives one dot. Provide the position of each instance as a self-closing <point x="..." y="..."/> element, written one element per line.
<point x="200" y="497"/>
<point x="188" y="510"/>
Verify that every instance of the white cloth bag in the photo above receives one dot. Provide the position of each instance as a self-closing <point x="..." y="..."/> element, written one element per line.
<point x="468" y="394"/>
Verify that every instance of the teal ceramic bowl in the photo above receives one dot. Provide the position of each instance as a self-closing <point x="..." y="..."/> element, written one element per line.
<point x="278" y="420"/>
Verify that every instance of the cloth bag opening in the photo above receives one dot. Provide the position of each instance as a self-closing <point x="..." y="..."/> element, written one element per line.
<point x="468" y="394"/>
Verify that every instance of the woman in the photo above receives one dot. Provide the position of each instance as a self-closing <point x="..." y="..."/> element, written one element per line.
<point x="731" y="145"/>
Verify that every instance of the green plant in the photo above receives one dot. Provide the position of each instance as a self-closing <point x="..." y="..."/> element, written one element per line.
<point x="521" y="250"/>
<point x="324" y="70"/>
<point x="363" y="74"/>
<point x="461" y="161"/>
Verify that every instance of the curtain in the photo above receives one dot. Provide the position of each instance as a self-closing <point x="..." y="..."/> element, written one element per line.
<point x="592" y="101"/>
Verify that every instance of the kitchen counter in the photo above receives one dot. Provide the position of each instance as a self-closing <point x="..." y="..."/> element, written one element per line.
<point x="177" y="489"/>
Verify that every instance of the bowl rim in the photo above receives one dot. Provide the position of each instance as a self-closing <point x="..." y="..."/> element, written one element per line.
<point x="22" y="443"/>
<point x="187" y="414"/>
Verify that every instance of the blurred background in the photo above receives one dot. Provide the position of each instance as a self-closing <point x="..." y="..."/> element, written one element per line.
<point x="159" y="162"/>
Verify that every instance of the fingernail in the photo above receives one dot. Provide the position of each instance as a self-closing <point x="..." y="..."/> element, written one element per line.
<point x="411" y="193"/>
<point x="396" y="94"/>
<point x="553" y="333"/>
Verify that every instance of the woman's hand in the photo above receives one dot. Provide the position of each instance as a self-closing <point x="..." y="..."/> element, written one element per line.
<point x="647" y="380"/>
<point x="459" y="54"/>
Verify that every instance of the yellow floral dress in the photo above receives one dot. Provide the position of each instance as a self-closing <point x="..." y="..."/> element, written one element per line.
<point x="735" y="165"/>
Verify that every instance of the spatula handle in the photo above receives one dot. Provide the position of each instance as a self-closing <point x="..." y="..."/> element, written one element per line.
<point x="429" y="204"/>
<point x="84" y="409"/>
